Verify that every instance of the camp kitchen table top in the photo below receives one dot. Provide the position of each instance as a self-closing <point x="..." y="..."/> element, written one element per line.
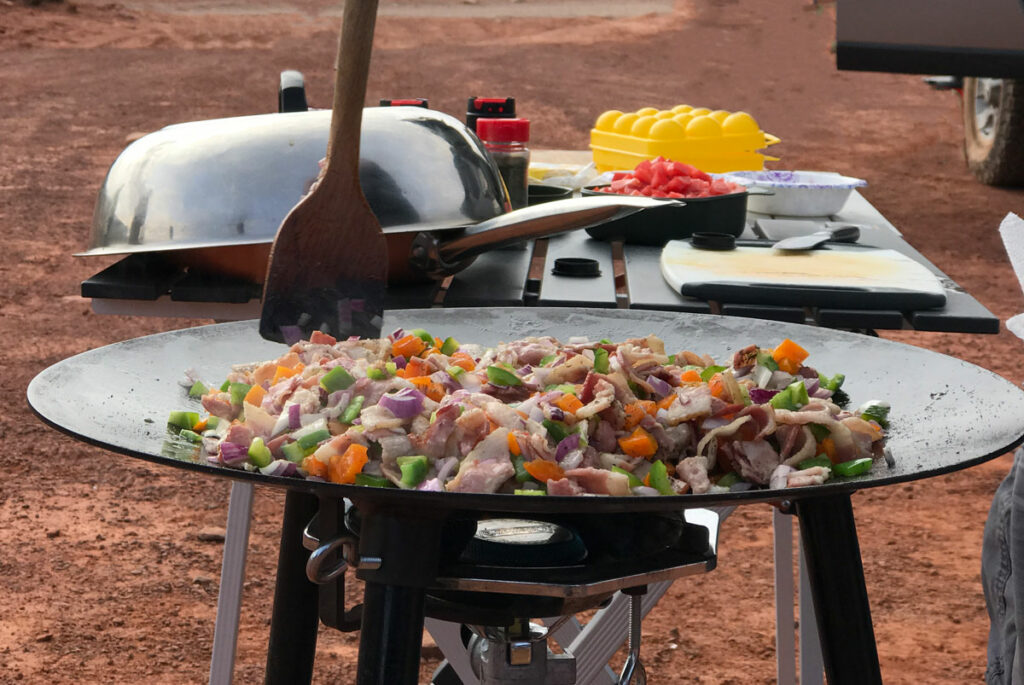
<point x="148" y="284"/>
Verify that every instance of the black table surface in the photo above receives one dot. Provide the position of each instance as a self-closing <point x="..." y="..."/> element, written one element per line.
<point x="947" y="414"/>
<point x="630" y="277"/>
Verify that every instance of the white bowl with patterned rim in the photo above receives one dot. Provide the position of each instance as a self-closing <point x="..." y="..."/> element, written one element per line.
<point x="797" y="193"/>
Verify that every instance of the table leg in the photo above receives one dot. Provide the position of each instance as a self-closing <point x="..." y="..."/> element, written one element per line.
<point x="840" y="596"/>
<point x="294" y="624"/>
<point x="392" y="635"/>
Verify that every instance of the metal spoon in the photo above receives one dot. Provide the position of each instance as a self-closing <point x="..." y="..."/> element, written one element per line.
<point x="845" y="234"/>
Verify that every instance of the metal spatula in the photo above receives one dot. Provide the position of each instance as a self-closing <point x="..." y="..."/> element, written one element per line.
<point x="328" y="263"/>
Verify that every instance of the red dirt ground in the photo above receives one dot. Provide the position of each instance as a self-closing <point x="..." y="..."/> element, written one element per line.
<point x="104" y="574"/>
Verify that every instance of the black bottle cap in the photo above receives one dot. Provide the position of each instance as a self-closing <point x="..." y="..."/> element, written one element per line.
<point x="713" y="241"/>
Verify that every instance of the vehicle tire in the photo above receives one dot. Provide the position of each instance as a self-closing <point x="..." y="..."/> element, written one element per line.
<point x="993" y="115"/>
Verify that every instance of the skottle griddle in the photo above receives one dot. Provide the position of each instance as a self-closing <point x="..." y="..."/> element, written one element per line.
<point x="946" y="414"/>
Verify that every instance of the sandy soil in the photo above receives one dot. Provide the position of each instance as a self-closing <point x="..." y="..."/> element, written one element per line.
<point x="106" y="577"/>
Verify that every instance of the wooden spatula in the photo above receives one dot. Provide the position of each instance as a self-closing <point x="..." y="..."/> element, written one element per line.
<point x="328" y="264"/>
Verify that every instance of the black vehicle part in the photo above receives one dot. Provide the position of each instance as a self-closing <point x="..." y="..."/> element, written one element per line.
<point x="993" y="114"/>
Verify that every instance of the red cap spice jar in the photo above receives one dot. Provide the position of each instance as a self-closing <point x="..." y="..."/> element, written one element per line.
<point x="506" y="140"/>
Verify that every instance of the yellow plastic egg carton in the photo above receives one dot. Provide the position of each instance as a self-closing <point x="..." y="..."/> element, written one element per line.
<point x="713" y="141"/>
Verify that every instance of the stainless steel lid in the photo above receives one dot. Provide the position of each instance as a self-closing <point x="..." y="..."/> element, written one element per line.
<point x="231" y="181"/>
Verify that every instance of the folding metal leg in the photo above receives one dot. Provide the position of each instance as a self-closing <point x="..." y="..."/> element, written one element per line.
<point x="232" y="577"/>
<point x="785" y="647"/>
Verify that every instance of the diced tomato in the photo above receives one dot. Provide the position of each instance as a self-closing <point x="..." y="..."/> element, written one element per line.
<point x="659" y="177"/>
<point x="643" y="171"/>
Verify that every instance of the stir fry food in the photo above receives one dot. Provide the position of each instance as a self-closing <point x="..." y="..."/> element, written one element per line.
<point x="534" y="416"/>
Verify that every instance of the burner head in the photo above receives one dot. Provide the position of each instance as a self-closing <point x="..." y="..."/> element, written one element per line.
<point x="520" y="542"/>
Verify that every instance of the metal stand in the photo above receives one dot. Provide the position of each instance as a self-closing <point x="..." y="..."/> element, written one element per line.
<point x="294" y="623"/>
<point x="836" y="577"/>
<point x="232" y="576"/>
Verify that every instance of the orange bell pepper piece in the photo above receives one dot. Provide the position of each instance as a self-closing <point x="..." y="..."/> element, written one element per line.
<point x="716" y="385"/>
<point x="513" y="445"/>
<point x="414" y="368"/>
<point x="344" y="467"/>
<point x="666" y="402"/>
<point x="255" y="395"/>
<point x="569" y="403"/>
<point x="690" y="376"/>
<point x="828" y="446"/>
<point x="408" y="347"/>
<point x="544" y="470"/>
<point x="315" y="467"/>
<point x="789" y="356"/>
<point x="320" y="338"/>
<point x="286" y="372"/>
<point x="639" y="443"/>
<point x="463" y="360"/>
<point x="648" y="406"/>
<point x="634" y="412"/>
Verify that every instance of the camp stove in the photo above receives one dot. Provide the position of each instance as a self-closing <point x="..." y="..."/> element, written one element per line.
<point x="496" y="573"/>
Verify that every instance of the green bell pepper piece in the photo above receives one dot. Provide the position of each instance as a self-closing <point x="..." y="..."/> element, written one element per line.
<point x="391" y="368"/>
<point x="833" y="383"/>
<point x="820" y="460"/>
<point x="372" y="481"/>
<point x="295" y="452"/>
<point x="728" y="480"/>
<point x="766" y="360"/>
<point x="855" y="467"/>
<point x="709" y="371"/>
<point x="601" y="360"/>
<point x="876" y="411"/>
<point x="336" y="379"/>
<point x="225" y="386"/>
<point x="547" y="359"/>
<point x="238" y="392"/>
<point x="450" y="346"/>
<point x="633" y="480"/>
<point x="352" y="410"/>
<point x="197" y="389"/>
<point x="424" y="336"/>
<point x="313" y="439"/>
<point x="522" y="475"/>
<point x="556" y="429"/>
<point x="259" y="453"/>
<point x="190" y="435"/>
<point x="499" y="376"/>
<point x="659" y="479"/>
<point x="375" y="374"/>
<point x="533" y="493"/>
<point x="183" y="419"/>
<point x="414" y="470"/>
<point x="819" y="431"/>
<point x="605" y="341"/>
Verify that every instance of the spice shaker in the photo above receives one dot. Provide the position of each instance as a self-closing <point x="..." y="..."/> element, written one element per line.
<point x="488" y="108"/>
<point x="506" y="140"/>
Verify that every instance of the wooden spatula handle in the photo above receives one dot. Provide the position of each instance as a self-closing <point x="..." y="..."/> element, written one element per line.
<point x="350" y="91"/>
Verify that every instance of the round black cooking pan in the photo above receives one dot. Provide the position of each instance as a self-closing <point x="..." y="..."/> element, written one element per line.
<point x="946" y="414"/>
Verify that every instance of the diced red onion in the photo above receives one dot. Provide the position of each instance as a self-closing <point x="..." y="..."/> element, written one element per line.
<point x="430" y="485"/>
<point x="568" y="444"/>
<point x="232" y="454"/>
<point x="294" y="416"/>
<point x="400" y="361"/>
<point x="353" y="337"/>
<point x="404" y="404"/>
<point x="760" y="395"/>
<point x="279" y="467"/>
<point x="661" y="387"/>
<point x="812" y="385"/>
<point x="213" y="459"/>
<point x="557" y="414"/>
<point x="397" y="334"/>
<point x="572" y="460"/>
<point x="445" y="467"/>
<point x="821" y="393"/>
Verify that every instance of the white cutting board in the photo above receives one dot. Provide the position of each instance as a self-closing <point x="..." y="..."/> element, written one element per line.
<point x="845" y="276"/>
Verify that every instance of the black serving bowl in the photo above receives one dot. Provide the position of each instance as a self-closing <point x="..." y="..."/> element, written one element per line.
<point x="677" y="220"/>
<point x="539" y="193"/>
